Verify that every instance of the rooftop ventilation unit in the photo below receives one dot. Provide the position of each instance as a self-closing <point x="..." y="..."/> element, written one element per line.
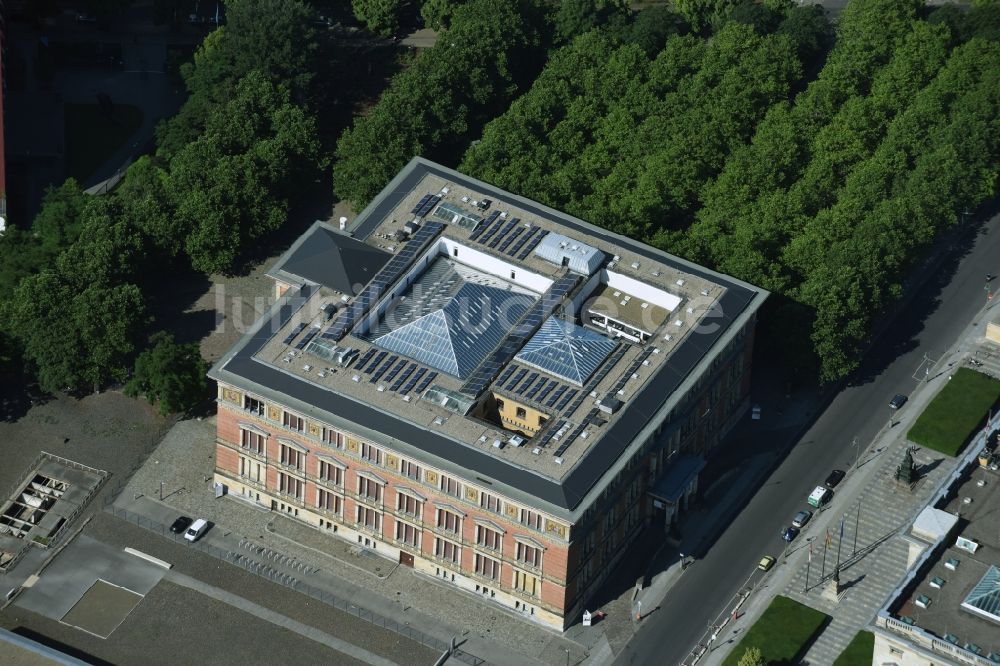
<point x="328" y="310"/>
<point x="635" y="265"/>
<point x="411" y="227"/>
<point x="497" y="444"/>
<point x="516" y="440"/>
<point x="344" y="355"/>
<point x="680" y="282"/>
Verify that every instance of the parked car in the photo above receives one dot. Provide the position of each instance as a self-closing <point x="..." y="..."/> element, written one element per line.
<point x="197" y="528"/>
<point x="897" y="401"/>
<point x="801" y="518"/>
<point x="835" y="477"/>
<point x="819" y="496"/>
<point x="789" y="533"/>
<point x="180" y="525"/>
<point x="766" y="563"/>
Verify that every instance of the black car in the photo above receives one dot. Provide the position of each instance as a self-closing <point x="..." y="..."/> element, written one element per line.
<point x="789" y="533"/>
<point x="836" y="476"/>
<point x="180" y="525"/>
<point x="897" y="401"/>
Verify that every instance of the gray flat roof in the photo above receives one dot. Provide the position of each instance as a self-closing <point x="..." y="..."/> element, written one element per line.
<point x="735" y="307"/>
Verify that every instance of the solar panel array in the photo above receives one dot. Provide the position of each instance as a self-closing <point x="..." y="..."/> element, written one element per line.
<point x="503" y="232"/>
<point x="425" y="205"/>
<point x="295" y="331"/>
<point x="308" y="337"/>
<point x="632" y="368"/>
<point x="587" y="420"/>
<point x="529" y="323"/>
<point x="363" y="361"/>
<point x="382" y="281"/>
<point x="531" y="238"/>
<point x="490" y="219"/>
<point x="489" y="227"/>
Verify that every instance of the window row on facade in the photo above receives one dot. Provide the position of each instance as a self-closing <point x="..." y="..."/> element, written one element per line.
<point x="294" y="456"/>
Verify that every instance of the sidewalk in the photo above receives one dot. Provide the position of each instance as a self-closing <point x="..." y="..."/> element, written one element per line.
<point x="299" y="556"/>
<point x="886" y="512"/>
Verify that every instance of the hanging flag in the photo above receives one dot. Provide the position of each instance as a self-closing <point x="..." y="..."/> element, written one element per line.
<point x="829" y="537"/>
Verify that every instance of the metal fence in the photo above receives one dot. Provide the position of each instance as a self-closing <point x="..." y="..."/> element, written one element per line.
<point x="265" y="563"/>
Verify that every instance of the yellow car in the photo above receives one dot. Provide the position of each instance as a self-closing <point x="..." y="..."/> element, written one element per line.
<point x="766" y="563"/>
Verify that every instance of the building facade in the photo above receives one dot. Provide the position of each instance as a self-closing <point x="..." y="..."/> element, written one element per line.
<point x="524" y="482"/>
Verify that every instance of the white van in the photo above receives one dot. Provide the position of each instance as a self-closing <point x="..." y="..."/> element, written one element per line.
<point x="197" y="528"/>
<point x="820" y="496"/>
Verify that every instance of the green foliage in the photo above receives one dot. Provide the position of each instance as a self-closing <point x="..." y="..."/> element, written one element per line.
<point x="437" y="14"/>
<point x="232" y="185"/>
<point x="956" y="413"/>
<point x="145" y="200"/>
<point x="651" y="27"/>
<point x="434" y="106"/>
<point x="381" y="16"/>
<point x="59" y="220"/>
<point x="781" y="634"/>
<point x="281" y="46"/>
<point x="170" y="374"/>
<point x="859" y="651"/>
<point x="575" y="17"/>
<point x="751" y="657"/>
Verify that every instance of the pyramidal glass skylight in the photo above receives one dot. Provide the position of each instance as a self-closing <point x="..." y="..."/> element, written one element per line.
<point x="452" y="317"/>
<point x="566" y="350"/>
<point x="984" y="599"/>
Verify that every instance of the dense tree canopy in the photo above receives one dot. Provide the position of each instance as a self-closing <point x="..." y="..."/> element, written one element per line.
<point x="170" y="374"/>
<point x="276" y="38"/>
<point x="822" y="184"/>
<point x="380" y="16"/>
<point x="232" y="185"/>
<point x="490" y="52"/>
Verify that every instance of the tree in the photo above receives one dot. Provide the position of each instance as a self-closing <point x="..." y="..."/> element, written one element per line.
<point x="437" y="13"/>
<point x="144" y="199"/>
<point x="381" y="16"/>
<point x="170" y="374"/>
<point x="282" y="47"/>
<point x="58" y="221"/>
<point x="752" y="657"/>
<point x="232" y="185"/>
<point x="575" y="17"/>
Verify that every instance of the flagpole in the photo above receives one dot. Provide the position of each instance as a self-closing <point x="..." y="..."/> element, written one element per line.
<point x="826" y="547"/>
<point x="840" y="540"/>
<point x="857" y="522"/>
<point x="808" y="564"/>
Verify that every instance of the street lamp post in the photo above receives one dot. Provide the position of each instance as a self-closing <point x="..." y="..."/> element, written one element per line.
<point x="857" y="452"/>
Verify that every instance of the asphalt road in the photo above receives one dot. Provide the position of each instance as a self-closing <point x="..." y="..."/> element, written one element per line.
<point x="930" y="324"/>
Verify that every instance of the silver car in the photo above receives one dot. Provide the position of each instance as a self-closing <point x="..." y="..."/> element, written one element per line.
<point x="801" y="518"/>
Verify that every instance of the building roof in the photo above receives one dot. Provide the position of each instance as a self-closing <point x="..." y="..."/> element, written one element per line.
<point x="333" y="259"/>
<point x="932" y="524"/>
<point x="451" y="318"/>
<point x="984" y="599"/>
<point x="378" y="397"/>
<point x="566" y="350"/>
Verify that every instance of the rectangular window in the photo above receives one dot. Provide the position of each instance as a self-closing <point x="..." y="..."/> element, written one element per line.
<point x="447" y="550"/>
<point x="333" y="438"/>
<point x="446" y="520"/>
<point x="531" y="519"/>
<point x="410" y="470"/>
<point x="487" y="567"/>
<point x="407" y="534"/>
<point x="488" y="538"/>
<point x="499" y="405"/>
<point x="369" y="489"/>
<point x="250" y="469"/>
<point x="369" y="518"/>
<point x="529" y="554"/>
<point x="292" y="457"/>
<point x="490" y="502"/>
<point x="372" y="454"/>
<point x="451" y="486"/>
<point x="294" y="422"/>
<point x="328" y="501"/>
<point x="289" y="485"/>
<point x="526" y="583"/>
<point x="521" y="413"/>
<point x="331" y="473"/>
<point x="252" y="441"/>
<point x="253" y="405"/>
<point x="409" y="505"/>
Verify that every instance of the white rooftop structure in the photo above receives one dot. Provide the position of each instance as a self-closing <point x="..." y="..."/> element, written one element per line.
<point x="565" y="251"/>
<point x="933" y="525"/>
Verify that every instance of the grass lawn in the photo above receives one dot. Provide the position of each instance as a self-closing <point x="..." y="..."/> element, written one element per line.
<point x="781" y="633"/>
<point x="859" y="651"/>
<point x="92" y="137"/>
<point x="955" y="413"/>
